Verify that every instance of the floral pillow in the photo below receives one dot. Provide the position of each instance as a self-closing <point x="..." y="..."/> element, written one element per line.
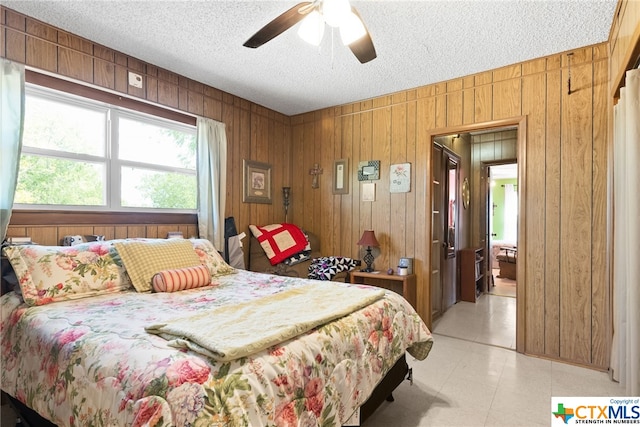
<point x="56" y="273"/>
<point x="210" y="257"/>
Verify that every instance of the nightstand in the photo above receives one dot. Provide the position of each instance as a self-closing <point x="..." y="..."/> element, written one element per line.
<point x="403" y="285"/>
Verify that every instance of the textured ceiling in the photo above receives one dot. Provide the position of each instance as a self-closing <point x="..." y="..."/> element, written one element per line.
<point x="418" y="42"/>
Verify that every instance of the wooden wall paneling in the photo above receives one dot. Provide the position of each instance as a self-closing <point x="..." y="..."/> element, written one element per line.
<point x="575" y="217"/>
<point x="600" y="297"/>
<point x="346" y="242"/>
<point x="212" y="108"/>
<point x="242" y="137"/>
<point x="121" y="79"/>
<point x="308" y="160"/>
<point x="41" y="54"/>
<point x="44" y="235"/>
<point x="380" y="219"/>
<point x="441" y="111"/>
<point x="366" y="153"/>
<point x="167" y="94"/>
<point x="195" y="102"/>
<point x="551" y="326"/>
<point x="151" y="232"/>
<point x="15" y="43"/>
<point x="14" y="20"/>
<point x="425" y="119"/>
<point x="107" y="231"/>
<point x="354" y="188"/>
<point x="534" y="90"/>
<point x="331" y="137"/>
<point x="483" y="104"/>
<point x="398" y="201"/>
<point x="183" y="100"/>
<point x="417" y="181"/>
<point x="455" y="108"/>
<point x="74" y="64"/>
<point x="468" y="99"/>
<point x="104" y="74"/>
<point x="506" y="99"/>
<point x="136" y="231"/>
<point x="297" y="178"/>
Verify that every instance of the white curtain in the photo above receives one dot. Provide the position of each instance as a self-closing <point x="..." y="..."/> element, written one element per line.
<point x="11" y="125"/>
<point x="510" y="214"/>
<point x="212" y="180"/>
<point x="625" y="352"/>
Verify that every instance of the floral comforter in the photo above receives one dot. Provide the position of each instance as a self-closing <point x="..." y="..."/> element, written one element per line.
<point x="90" y="361"/>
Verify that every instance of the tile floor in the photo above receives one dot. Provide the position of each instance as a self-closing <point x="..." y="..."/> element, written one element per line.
<point x="467" y="382"/>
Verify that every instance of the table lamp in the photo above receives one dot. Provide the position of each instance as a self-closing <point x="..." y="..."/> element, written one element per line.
<point x="368" y="239"/>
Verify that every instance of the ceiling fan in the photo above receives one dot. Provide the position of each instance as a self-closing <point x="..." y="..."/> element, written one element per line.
<point x="314" y="15"/>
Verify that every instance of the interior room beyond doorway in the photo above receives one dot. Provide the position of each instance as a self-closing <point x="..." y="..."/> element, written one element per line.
<point x="503" y="228"/>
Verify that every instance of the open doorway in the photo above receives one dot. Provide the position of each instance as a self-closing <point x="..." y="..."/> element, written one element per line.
<point x="502" y="219"/>
<point x="494" y="318"/>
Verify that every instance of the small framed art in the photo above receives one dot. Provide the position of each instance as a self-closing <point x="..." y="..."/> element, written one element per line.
<point x="341" y="176"/>
<point x="257" y="182"/>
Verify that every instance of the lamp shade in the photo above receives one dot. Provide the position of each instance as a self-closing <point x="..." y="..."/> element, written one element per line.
<point x="368" y="239"/>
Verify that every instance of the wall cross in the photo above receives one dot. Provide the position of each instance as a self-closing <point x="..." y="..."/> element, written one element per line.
<point x="315" y="171"/>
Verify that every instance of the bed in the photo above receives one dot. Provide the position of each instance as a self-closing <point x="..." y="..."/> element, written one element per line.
<point x="95" y="357"/>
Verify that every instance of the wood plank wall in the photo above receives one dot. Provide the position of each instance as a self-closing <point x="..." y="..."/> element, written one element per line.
<point x="253" y="132"/>
<point x="566" y="307"/>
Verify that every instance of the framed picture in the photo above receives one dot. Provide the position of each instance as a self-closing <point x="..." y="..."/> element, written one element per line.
<point x="368" y="192"/>
<point x="341" y="176"/>
<point x="400" y="178"/>
<point x="369" y="170"/>
<point x="257" y="182"/>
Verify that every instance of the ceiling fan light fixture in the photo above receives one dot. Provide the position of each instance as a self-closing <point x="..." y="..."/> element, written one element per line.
<point x="311" y="28"/>
<point x="352" y="29"/>
<point x="335" y="11"/>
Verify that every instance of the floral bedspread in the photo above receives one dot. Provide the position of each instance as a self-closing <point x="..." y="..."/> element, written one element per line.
<point x="90" y="361"/>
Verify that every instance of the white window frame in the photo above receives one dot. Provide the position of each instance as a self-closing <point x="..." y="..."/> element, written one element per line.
<point x="110" y="159"/>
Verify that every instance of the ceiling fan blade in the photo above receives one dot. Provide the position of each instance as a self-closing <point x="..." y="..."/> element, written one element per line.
<point x="279" y="25"/>
<point x="363" y="48"/>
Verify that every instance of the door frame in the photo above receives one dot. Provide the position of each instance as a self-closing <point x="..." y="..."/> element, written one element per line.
<point x="520" y="123"/>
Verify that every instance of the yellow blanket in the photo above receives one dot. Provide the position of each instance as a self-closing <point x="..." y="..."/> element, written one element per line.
<point x="238" y="330"/>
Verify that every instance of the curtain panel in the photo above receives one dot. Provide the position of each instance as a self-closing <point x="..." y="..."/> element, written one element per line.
<point x="212" y="180"/>
<point x="11" y="127"/>
<point x="625" y="352"/>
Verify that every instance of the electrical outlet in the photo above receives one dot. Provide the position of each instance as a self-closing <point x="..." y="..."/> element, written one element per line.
<point x="135" y="80"/>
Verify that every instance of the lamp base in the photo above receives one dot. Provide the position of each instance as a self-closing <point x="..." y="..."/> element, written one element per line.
<point x="368" y="259"/>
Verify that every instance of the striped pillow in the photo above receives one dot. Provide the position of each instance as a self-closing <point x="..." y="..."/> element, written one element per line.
<point x="144" y="258"/>
<point x="180" y="279"/>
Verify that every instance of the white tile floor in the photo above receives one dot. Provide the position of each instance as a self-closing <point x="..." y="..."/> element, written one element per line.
<point x="466" y="382"/>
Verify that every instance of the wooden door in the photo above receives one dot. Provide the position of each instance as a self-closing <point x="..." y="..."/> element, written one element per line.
<point x="445" y="290"/>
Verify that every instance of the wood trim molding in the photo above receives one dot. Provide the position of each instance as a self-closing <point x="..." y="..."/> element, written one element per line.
<point x="39" y="218"/>
<point x="106" y="97"/>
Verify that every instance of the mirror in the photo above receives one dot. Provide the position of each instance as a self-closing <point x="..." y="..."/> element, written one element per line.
<point x="451" y="189"/>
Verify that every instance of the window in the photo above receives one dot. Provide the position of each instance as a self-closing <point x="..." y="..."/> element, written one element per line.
<point x="83" y="154"/>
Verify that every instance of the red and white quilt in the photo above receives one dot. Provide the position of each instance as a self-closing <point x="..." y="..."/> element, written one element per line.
<point x="280" y="241"/>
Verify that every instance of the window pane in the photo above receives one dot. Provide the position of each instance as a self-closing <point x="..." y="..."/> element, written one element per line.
<point x="54" y="181"/>
<point x="58" y="126"/>
<point x="144" y="188"/>
<point x="148" y="143"/>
